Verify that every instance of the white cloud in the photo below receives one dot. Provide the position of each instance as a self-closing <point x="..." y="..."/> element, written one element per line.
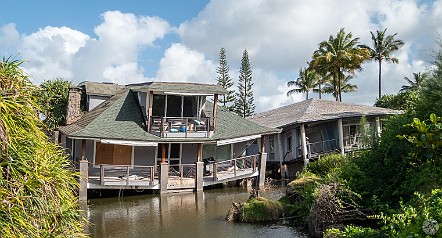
<point x="282" y="35"/>
<point x="181" y="64"/>
<point x="49" y="52"/>
<point x="9" y="38"/>
<point x="112" y="56"/>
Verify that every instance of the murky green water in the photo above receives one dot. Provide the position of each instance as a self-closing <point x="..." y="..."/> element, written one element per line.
<point x="179" y="215"/>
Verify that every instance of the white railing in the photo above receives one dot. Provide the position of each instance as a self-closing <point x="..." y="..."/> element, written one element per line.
<point x="166" y="125"/>
<point x="322" y="147"/>
<point x="233" y="167"/>
<point x="127" y="173"/>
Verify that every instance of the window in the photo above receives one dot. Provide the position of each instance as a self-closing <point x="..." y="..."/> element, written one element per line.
<point x="271" y="144"/>
<point x="289" y="142"/>
<point x="173" y="153"/>
<point x="158" y="105"/>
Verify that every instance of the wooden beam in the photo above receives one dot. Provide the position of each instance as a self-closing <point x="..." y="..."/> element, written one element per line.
<point x="83" y="149"/>
<point x="304" y="144"/>
<point x="149" y="112"/>
<point x="198" y="151"/>
<point x="341" y="136"/>
<point x="163" y="153"/>
<point x="215" y="110"/>
<point x="263" y="144"/>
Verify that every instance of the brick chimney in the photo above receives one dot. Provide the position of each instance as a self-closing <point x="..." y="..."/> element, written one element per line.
<point x="73" y="111"/>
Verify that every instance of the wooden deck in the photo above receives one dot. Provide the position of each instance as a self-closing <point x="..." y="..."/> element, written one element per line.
<point x="180" y="177"/>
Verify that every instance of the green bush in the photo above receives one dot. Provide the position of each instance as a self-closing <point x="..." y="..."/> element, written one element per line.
<point x="352" y="231"/>
<point x="301" y="195"/>
<point x="326" y="164"/>
<point x="411" y="218"/>
<point x="37" y="188"/>
<point x="261" y="209"/>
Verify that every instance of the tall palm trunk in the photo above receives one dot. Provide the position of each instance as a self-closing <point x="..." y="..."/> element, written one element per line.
<point x="380" y="73"/>
<point x="320" y="90"/>
<point x="339" y="85"/>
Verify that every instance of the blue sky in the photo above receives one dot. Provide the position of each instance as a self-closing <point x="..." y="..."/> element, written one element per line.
<point x="176" y="40"/>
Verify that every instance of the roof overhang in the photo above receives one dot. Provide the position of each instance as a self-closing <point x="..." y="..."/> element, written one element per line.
<point x="237" y="140"/>
<point x="188" y="94"/>
<point x="128" y="142"/>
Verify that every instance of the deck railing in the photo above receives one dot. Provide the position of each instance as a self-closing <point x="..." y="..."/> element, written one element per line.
<point x="321" y="147"/>
<point x="127" y="173"/>
<point x="182" y="170"/>
<point x="233" y="167"/>
<point x="171" y="126"/>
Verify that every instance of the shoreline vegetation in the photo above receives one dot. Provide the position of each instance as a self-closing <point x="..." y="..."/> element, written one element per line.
<point x="393" y="189"/>
<point x="37" y="183"/>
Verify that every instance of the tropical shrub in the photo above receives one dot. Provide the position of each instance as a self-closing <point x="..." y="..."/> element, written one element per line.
<point x="53" y="99"/>
<point x="261" y="209"/>
<point x="37" y="188"/>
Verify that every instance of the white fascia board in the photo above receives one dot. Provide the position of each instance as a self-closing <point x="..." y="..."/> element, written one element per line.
<point x="128" y="142"/>
<point x="237" y="140"/>
<point x="188" y="94"/>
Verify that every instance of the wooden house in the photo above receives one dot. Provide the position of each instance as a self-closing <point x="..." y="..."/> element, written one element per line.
<point x="315" y="127"/>
<point x="159" y="135"/>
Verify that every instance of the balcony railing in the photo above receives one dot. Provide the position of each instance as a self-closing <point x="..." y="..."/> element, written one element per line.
<point x="181" y="127"/>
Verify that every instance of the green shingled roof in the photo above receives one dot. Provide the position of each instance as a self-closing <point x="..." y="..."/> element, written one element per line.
<point x="101" y="89"/>
<point x="196" y="88"/>
<point x="120" y="117"/>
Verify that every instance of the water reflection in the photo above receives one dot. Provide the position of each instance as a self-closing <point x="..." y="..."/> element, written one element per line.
<point x="178" y="215"/>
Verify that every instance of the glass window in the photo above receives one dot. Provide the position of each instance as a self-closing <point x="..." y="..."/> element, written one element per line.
<point x="272" y="144"/>
<point x="173" y="106"/>
<point x="158" y="105"/>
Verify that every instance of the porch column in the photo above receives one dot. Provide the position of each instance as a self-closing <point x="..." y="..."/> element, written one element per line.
<point x="215" y="110"/>
<point x="378" y="126"/>
<point x="164" y="170"/>
<point x="149" y="112"/>
<point x="199" y="165"/>
<point x="84" y="170"/>
<point x="280" y="155"/>
<point x="304" y="145"/>
<point x="341" y="136"/>
<point x="262" y="165"/>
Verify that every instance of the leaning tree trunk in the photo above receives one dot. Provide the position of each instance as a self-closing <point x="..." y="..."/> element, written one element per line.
<point x="380" y="73"/>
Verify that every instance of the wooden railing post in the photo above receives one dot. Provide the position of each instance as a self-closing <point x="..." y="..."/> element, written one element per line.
<point x="214" y="172"/>
<point x="101" y="174"/>
<point x="234" y="167"/>
<point x="127" y="175"/>
<point x="254" y="163"/>
<point x="151" y="173"/>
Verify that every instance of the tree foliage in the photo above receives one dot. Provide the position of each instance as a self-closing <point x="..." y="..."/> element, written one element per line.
<point x="307" y="81"/>
<point x="223" y="79"/>
<point x="244" y="102"/>
<point x="383" y="46"/>
<point x="53" y="99"/>
<point x="415" y="83"/>
<point x="338" y="55"/>
<point x="37" y="188"/>
<point x="344" y="83"/>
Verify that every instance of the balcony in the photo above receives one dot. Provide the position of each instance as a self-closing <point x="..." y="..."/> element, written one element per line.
<point x="181" y="127"/>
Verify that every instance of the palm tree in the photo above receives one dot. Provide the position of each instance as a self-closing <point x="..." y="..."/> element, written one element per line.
<point x="418" y="78"/>
<point x="383" y="46"/>
<point x="307" y="81"/>
<point x="337" y="55"/>
<point x="346" y="86"/>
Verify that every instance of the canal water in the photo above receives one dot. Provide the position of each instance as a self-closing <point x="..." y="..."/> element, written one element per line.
<point x="180" y="215"/>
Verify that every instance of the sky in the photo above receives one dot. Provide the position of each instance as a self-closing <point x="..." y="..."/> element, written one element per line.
<point x="179" y="41"/>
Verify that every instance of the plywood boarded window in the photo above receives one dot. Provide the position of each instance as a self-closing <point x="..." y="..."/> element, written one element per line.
<point x="113" y="154"/>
